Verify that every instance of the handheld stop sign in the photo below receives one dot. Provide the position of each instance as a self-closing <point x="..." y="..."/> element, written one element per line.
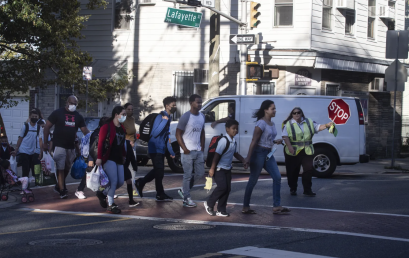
<point x="338" y="111"/>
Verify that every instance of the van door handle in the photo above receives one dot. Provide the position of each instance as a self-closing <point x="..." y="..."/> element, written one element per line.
<point x="245" y="131"/>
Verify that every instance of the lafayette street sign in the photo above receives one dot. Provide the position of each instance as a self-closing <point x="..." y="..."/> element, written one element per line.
<point x="182" y="17"/>
<point x="236" y="39"/>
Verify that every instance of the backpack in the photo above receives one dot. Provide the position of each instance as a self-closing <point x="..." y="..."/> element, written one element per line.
<point x="27" y="130"/>
<point x="93" y="141"/>
<point x="146" y="126"/>
<point x="212" y="149"/>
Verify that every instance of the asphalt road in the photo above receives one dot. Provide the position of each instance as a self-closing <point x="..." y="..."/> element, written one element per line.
<point x="339" y="222"/>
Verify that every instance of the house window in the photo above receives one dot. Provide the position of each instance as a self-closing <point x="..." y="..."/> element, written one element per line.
<point x="371" y="18"/>
<point x="327" y="14"/>
<point x="123" y="17"/>
<point x="349" y="22"/>
<point x="332" y="89"/>
<point x="63" y="94"/>
<point x="283" y="13"/>
<point x="184" y="87"/>
<point x="264" y="88"/>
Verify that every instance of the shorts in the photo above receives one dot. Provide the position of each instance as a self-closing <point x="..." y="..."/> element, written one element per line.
<point x="64" y="158"/>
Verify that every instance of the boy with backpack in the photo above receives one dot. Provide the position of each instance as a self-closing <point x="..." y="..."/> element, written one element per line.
<point x="157" y="146"/>
<point x="221" y="169"/>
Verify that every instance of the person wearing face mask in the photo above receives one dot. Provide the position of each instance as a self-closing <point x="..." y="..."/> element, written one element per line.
<point x="112" y="154"/>
<point x="27" y="144"/>
<point x="6" y="151"/>
<point x="66" y="122"/>
<point x="157" y="146"/>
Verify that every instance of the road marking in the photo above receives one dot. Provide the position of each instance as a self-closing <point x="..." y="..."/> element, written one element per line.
<point x="230" y="224"/>
<point x="69" y="226"/>
<point x="208" y="255"/>
<point x="268" y="253"/>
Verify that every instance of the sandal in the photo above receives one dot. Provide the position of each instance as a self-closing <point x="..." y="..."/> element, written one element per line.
<point x="248" y="212"/>
<point x="283" y="211"/>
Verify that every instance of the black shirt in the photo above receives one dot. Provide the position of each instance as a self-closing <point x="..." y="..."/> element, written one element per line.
<point x="66" y="125"/>
<point x="117" y="146"/>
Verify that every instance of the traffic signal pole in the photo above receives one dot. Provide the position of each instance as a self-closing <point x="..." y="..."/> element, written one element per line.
<point x="243" y="51"/>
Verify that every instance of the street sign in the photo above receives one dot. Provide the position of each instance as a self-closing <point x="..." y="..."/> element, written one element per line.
<point x="402" y="76"/>
<point x="338" y="111"/>
<point x="208" y="3"/>
<point x="397" y="44"/>
<point x="182" y="17"/>
<point x="238" y="39"/>
<point x="87" y="73"/>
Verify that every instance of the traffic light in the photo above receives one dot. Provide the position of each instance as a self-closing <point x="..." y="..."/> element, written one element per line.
<point x="194" y="3"/>
<point x="254" y="14"/>
<point x="255" y="71"/>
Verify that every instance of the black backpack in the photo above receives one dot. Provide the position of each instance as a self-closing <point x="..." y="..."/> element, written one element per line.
<point x="212" y="149"/>
<point x="93" y="143"/>
<point x="146" y="126"/>
<point x="27" y="130"/>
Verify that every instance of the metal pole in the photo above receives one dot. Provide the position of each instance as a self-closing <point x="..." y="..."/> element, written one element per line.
<point x="86" y="101"/>
<point x="243" y="51"/>
<point x="394" y="106"/>
<point x="214" y="52"/>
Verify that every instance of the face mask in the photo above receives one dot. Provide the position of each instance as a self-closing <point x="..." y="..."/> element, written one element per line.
<point x="72" y="108"/>
<point x="4" y="144"/>
<point x="173" y="110"/>
<point x="34" y="120"/>
<point x="122" y="119"/>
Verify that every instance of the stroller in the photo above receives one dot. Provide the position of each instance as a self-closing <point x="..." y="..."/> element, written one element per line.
<point x="6" y="187"/>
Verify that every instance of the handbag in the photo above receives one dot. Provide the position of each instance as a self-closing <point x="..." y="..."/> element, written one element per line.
<point x="93" y="179"/>
<point x="13" y="164"/>
<point x="78" y="168"/>
<point x="41" y="178"/>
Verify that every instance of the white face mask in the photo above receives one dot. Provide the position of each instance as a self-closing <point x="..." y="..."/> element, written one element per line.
<point x="72" y="108"/>
<point x="122" y="119"/>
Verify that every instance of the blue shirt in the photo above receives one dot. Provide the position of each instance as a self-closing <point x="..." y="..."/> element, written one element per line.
<point x="227" y="158"/>
<point x="159" y="140"/>
<point x="28" y="145"/>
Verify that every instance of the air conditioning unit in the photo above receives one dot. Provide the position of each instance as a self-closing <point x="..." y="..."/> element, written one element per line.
<point x="378" y="84"/>
<point x="386" y="12"/>
<point x="327" y="2"/>
<point x="201" y="76"/>
<point x="147" y="2"/>
<point x="346" y="4"/>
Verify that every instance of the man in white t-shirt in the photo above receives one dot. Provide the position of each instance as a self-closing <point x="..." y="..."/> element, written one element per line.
<point x="190" y="135"/>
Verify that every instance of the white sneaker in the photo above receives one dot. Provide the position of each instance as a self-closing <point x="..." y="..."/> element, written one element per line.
<point x="31" y="179"/>
<point x="80" y="195"/>
<point x="115" y="196"/>
<point x="189" y="203"/>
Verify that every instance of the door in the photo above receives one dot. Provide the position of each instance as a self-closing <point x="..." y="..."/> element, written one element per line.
<point x="216" y="111"/>
<point x="14" y="119"/>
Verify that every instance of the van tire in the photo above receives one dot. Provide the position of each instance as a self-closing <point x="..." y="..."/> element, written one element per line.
<point x="175" y="164"/>
<point x="324" y="163"/>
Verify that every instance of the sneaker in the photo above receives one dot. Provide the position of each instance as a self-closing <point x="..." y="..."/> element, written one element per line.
<point x="222" y="214"/>
<point x="135" y="193"/>
<point x="80" y="194"/>
<point x="27" y="191"/>
<point x="114" y="205"/>
<point x="139" y="187"/>
<point x="102" y="199"/>
<point x="113" y="209"/>
<point x="63" y="194"/>
<point x="189" y="203"/>
<point x="209" y="210"/>
<point x="164" y="198"/>
<point x="132" y="203"/>
<point x="22" y="192"/>
<point x="31" y="179"/>
<point x="115" y="196"/>
<point x="180" y="192"/>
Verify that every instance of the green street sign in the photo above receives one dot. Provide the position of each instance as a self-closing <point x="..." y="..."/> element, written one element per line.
<point x="182" y="17"/>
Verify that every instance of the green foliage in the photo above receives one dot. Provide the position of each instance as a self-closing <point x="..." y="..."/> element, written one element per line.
<point x="38" y="48"/>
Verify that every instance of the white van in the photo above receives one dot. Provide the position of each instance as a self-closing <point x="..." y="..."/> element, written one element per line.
<point x="349" y="147"/>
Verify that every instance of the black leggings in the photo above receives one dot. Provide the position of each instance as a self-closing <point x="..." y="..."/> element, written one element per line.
<point x="28" y="162"/>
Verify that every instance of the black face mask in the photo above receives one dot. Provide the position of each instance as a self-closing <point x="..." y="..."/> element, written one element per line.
<point x="34" y="120"/>
<point x="4" y="144"/>
<point x="173" y="110"/>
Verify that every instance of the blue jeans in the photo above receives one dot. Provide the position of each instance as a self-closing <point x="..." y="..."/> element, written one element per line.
<point x="115" y="173"/>
<point x="193" y="160"/>
<point x="257" y="163"/>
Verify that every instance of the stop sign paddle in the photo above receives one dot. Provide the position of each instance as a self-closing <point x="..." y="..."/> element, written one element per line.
<point x="338" y="111"/>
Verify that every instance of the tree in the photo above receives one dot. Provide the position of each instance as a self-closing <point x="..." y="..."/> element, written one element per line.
<point x="38" y="48"/>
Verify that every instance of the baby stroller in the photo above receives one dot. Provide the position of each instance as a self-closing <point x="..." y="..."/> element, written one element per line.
<point x="6" y="187"/>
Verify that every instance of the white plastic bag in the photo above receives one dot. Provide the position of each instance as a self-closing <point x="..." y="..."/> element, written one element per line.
<point x="93" y="179"/>
<point x="49" y="162"/>
<point x="13" y="164"/>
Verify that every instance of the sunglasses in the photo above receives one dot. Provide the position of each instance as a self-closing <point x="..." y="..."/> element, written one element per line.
<point x="297" y="113"/>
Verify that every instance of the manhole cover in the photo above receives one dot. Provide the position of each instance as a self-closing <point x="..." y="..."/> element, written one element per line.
<point x="183" y="226"/>
<point x="65" y="242"/>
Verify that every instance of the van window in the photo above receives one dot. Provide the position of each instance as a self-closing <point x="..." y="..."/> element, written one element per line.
<point x="220" y="110"/>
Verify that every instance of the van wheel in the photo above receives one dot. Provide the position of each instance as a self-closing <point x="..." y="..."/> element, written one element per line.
<point x="324" y="163"/>
<point x="176" y="163"/>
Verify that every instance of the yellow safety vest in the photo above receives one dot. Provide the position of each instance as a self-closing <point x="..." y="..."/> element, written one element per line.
<point x="300" y="140"/>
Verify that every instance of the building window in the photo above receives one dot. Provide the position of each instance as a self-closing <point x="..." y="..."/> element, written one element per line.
<point x="123" y="17"/>
<point x="283" y="13"/>
<point x="327" y="14"/>
<point x="371" y="18"/>
<point x="264" y="88"/>
<point x="349" y="22"/>
<point x="63" y="94"/>
<point x="332" y="89"/>
<point x="184" y="87"/>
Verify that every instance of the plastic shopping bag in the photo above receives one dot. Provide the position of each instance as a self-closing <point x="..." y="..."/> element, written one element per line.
<point x="78" y="168"/>
<point x="93" y="179"/>
<point x="103" y="179"/>
<point x="209" y="184"/>
<point x="13" y="164"/>
<point x="49" y="162"/>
